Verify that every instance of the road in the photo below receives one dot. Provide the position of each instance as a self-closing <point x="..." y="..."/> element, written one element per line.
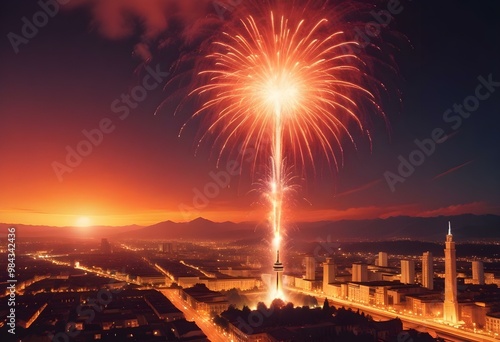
<point x="447" y="332"/>
<point x="201" y="320"/>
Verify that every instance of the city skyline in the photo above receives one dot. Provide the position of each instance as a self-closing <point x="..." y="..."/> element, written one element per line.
<point x="211" y="298"/>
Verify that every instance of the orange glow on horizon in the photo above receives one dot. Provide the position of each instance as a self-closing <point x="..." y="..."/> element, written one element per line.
<point x="83" y="221"/>
<point x="149" y="217"/>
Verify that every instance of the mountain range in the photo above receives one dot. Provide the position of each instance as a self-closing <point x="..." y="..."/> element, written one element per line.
<point x="464" y="228"/>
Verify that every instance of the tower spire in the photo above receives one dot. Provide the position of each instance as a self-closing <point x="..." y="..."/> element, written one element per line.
<point x="450" y="305"/>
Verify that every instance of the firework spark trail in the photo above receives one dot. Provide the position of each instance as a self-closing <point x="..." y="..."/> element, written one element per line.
<point x="286" y="80"/>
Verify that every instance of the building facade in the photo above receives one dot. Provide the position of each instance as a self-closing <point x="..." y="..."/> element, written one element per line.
<point x="407" y="271"/>
<point x="477" y="272"/>
<point x="310" y="268"/>
<point x="382" y="259"/>
<point x="493" y="322"/>
<point x="359" y="272"/>
<point x="329" y="271"/>
<point x="428" y="271"/>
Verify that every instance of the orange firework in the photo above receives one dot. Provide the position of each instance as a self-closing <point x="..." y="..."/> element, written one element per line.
<point x="285" y="70"/>
<point x="288" y="81"/>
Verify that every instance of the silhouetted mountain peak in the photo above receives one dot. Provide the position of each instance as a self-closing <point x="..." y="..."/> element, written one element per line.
<point x="200" y="220"/>
<point x="465" y="227"/>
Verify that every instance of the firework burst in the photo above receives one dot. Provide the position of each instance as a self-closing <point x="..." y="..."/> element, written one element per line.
<point x="287" y="70"/>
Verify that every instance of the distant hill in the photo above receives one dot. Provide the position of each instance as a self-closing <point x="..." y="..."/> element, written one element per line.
<point x="198" y="229"/>
<point x="464" y="228"/>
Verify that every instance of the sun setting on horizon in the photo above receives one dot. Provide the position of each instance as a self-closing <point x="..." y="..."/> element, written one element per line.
<point x="83" y="221"/>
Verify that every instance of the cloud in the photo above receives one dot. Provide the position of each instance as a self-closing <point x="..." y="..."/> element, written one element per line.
<point x="148" y="20"/>
<point x="117" y="19"/>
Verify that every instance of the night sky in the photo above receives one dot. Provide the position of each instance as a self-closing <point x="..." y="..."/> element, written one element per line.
<point x="69" y="75"/>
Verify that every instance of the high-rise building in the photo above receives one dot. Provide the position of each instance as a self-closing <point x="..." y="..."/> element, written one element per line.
<point x="428" y="270"/>
<point x="329" y="271"/>
<point x="477" y="272"/>
<point x="382" y="259"/>
<point x="359" y="272"/>
<point x="408" y="271"/>
<point x="310" y="268"/>
<point x="450" y="307"/>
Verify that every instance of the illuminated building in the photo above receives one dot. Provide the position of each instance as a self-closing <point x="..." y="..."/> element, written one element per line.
<point x="200" y="298"/>
<point x="450" y="307"/>
<point x="493" y="322"/>
<point x="150" y="279"/>
<point x="489" y="278"/>
<point x="328" y="272"/>
<point x="407" y="272"/>
<point x="427" y="271"/>
<point x="382" y="259"/>
<point x="359" y="272"/>
<point x="306" y="284"/>
<point x="310" y="268"/>
<point x="427" y="305"/>
<point x="222" y="284"/>
<point x="477" y="272"/>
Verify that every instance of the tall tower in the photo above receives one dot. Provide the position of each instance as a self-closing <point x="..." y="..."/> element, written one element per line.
<point x="382" y="259"/>
<point x="477" y="272"/>
<point x="408" y="271"/>
<point x="310" y="268"/>
<point x="328" y="272"/>
<point x="428" y="271"/>
<point x="278" y="269"/>
<point x="450" y="308"/>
